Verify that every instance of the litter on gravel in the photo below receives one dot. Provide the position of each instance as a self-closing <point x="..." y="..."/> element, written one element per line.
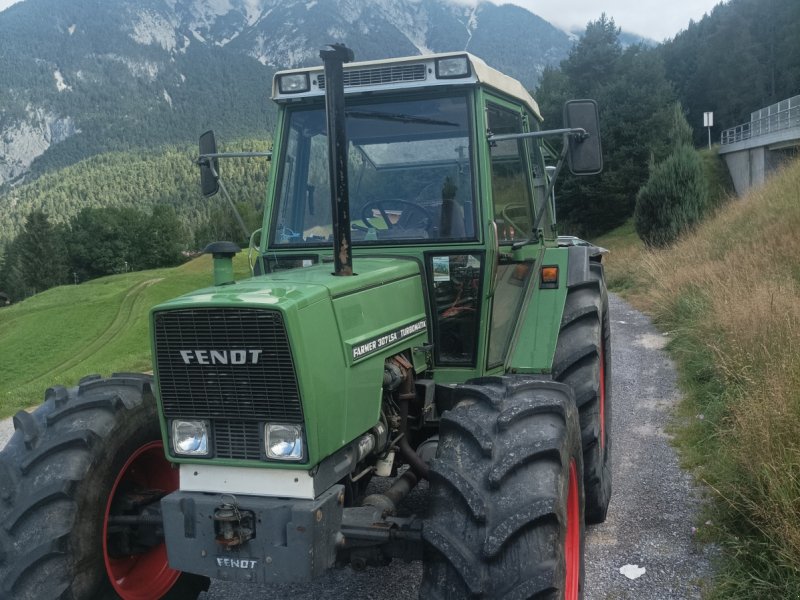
<point x="632" y="571"/>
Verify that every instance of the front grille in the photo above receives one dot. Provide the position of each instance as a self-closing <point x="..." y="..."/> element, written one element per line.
<point x="237" y="439"/>
<point x="379" y="75"/>
<point x="265" y="391"/>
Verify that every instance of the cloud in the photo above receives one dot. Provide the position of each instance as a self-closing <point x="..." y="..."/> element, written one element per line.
<point x="657" y="19"/>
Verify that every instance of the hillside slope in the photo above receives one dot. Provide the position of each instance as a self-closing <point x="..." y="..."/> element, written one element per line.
<point x="729" y="294"/>
<point x="100" y="326"/>
<point x="139" y="179"/>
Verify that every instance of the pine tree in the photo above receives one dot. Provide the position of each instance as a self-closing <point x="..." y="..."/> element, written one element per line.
<point x="162" y="240"/>
<point x="635" y="103"/>
<point x="593" y="60"/>
<point x="674" y="198"/>
<point x="41" y="258"/>
<point x="680" y="132"/>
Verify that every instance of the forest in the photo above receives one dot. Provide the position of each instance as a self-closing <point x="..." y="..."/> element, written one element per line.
<point x="741" y="57"/>
<point x="122" y="211"/>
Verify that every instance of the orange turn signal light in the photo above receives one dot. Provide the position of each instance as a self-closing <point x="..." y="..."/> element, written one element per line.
<point x="549" y="277"/>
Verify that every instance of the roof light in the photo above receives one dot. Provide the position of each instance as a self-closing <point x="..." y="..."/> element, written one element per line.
<point x="294" y="83"/>
<point x="453" y="67"/>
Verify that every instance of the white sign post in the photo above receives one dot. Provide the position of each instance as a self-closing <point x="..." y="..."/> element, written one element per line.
<point x="708" y="121"/>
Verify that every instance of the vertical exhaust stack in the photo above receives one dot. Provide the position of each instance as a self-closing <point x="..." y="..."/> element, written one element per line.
<point x="223" y="253"/>
<point x="333" y="57"/>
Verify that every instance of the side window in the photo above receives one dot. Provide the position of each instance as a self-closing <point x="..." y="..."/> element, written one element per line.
<point x="455" y="299"/>
<point x="285" y="220"/>
<point x="305" y="210"/>
<point x="511" y="192"/>
<point x="512" y="281"/>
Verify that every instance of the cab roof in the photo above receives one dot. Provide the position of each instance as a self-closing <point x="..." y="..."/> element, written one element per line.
<point x="410" y="72"/>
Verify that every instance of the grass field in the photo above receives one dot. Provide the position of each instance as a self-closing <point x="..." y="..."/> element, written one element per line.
<point x="729" y="295"/>
<point x="100" y="326"/>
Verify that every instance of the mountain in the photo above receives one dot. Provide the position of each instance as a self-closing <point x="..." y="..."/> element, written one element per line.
<point x="81" y="77"/>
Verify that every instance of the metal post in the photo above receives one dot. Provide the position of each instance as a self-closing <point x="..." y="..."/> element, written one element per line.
<point x="708" y="122"/>
<point x="333" y="57"/>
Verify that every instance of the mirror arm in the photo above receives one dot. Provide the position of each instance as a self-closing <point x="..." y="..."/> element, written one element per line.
<point x="207" y="160"/>
<point x="232" y="205"/>
<point x="552" y="181"/>
<point x="208" y="157"/>
<point x="574" y="131"/>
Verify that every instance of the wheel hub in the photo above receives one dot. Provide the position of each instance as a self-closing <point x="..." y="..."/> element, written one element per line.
<point x="133" y="547"/>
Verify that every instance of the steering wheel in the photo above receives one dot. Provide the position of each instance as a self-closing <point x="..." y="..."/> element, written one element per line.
<point x="405" y="221"/>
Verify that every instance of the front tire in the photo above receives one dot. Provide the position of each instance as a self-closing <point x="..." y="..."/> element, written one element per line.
<point x="64" y="472"/>
<point x="506" y="500"/>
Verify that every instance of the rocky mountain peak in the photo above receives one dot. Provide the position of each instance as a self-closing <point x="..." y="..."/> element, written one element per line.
<point x="97" y="75"/>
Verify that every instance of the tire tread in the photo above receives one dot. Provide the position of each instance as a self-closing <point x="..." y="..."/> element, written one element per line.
<point x="510" y="546"/>
<point x="584" y="334"/>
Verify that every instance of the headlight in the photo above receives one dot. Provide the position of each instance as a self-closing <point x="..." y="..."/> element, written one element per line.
<point x="452" y="68"/>
<point x="294" y="83"/>
<point x="190" y="438"/>
<point x="284" y="442"/>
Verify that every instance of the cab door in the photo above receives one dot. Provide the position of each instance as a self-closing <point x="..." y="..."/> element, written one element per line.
<point x="512" y="195"/>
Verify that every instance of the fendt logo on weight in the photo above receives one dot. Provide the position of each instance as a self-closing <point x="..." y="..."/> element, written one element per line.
<point x="220" y="357"/>
<point x="237" y="563"/>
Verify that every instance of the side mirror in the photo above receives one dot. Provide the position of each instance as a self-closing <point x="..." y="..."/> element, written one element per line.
<point x="585" y="155"/>
<point x="209" y="167"/>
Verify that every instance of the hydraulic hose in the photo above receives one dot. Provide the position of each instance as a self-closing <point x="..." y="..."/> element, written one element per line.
<point x="406" y="393"/>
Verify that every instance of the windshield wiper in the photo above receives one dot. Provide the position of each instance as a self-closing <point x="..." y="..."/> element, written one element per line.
<point x="399" y="117"/>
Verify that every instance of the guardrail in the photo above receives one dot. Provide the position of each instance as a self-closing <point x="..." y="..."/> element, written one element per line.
<point x="783" y="115"/>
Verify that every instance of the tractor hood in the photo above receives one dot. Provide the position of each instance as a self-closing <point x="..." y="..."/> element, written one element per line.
<point x="323" y="338"/>
<point x="297" y="288"/>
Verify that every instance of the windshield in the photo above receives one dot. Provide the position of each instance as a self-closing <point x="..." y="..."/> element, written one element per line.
<point x="409" y="169"/>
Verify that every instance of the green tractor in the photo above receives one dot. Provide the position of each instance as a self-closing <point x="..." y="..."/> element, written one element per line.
<point x="423" y="323"/>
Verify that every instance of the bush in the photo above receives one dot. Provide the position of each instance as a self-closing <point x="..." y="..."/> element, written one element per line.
<point x="674" y="198"/>
<point x="720" y="184"/>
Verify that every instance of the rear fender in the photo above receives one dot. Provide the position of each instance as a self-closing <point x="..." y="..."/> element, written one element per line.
<point x="537" y="331"/>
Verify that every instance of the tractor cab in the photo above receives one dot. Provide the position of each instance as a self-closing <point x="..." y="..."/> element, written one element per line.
<point x="445" y="165"/>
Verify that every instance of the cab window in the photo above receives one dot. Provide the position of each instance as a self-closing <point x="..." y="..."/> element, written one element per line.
<point x="511" y="193"/>
<point x="410" y="173"/>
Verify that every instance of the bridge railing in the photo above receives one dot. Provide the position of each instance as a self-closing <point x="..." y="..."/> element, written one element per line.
<point x="783" y="115"/>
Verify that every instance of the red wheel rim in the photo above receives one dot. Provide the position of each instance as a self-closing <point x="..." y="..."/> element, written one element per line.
<point x="602" y="398"/>
<point x="572" y="546"/>
<point x="143" y="576"/>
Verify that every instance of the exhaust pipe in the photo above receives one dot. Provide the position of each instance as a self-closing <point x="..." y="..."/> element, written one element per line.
<point x="333" y="57"/>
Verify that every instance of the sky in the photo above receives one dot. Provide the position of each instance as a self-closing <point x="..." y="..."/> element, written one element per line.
<point x="655" y="19"/>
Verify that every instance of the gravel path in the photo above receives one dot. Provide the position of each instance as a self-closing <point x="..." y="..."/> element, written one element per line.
<point x="654" y="504"/>
<point x="653" y="508"/>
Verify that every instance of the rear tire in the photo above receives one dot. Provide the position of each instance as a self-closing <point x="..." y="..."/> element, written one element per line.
<point x="583" y="361"/>
<point x="506" y="497"/>
<point x="59" y="475"/>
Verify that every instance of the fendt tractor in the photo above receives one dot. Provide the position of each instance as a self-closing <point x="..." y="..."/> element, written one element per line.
<point x="421" y="323"/>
